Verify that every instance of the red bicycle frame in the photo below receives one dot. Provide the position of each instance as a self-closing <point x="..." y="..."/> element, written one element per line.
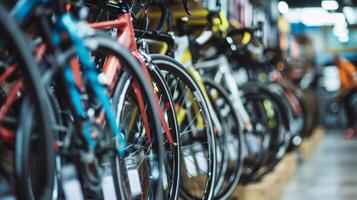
<point x="6" y="134"/>
<point x="293" y="101"/>
<point x="112" y="67"/>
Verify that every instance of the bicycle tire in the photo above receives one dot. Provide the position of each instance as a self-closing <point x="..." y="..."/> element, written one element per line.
<point x="172" y="156"/>
<point x="159" y="81"/>
<point x="235" y="165"/>
<point x="281" y="142"/>
<point x="111" y="47"/>
<point x="172" y="69"/>
<point x="16" y="41"/>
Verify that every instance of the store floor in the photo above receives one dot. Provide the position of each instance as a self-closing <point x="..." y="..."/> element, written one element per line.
<point x="330" y="174"/>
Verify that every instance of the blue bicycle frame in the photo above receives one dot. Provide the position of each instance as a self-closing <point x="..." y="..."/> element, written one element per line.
<point x="66" y="23"/>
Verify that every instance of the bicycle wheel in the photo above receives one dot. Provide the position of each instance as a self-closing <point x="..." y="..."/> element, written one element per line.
<point x="137" y="162"/>
<point x="257" y="142"/>
<point x="314" y="107"/>
<point x="298" y="100"/>
<point x="127" y="111"/>
<point x="294" y="118"/>
<point x="172" y="156"/>
<point x="198" y="166"/>
<point x="143" y="153"/>
<point x="275" y="125"/>
<point x="34" y="168"/>
<point x="234" y="139"/>
<point x="306" y="97"/>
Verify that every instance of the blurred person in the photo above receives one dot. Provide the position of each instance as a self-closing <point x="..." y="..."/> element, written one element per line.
<point x="348" y="92"/>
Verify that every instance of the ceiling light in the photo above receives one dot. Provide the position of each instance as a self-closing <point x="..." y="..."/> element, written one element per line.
<point x="329" y="4"/>
<point x="343" y="38"/>
<point x="338" y="32"/>
<point x="314" y="16"/>
<point x="293" y="16"/>
<point x="336" y="18"/>
<point x="283" y="7"/>
<point x="350" y="13"/>
<point x="340" y="25"/>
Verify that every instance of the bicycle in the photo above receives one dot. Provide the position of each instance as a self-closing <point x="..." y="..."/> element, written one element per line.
<point x="94" y="148"/>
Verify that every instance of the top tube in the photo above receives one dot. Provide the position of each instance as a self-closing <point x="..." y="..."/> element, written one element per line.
<point x="23" y="8"/>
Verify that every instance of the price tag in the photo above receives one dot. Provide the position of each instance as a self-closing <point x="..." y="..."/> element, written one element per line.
<point x="133" y="176"/>
<point x="190" y="164"/>
<point x="254" y="143"/>
<point x="219" y="155"/>
<point x="108" y="188"/>
<point x="164" y="178"/>
<point x="108" y="183"/>
<point x="202" y="162"/>
<point x="72" y="190"/>
<point x="245" y="150"/>
<point x="71" y="186"/>
<point x="232" y="151"/>
<point x="200" y="157"/>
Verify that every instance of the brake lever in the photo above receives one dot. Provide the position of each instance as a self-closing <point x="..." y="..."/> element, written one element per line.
<point x="186" y="6"/>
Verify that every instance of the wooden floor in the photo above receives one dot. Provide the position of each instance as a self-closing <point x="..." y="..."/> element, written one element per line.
<point x="330" y="174"/>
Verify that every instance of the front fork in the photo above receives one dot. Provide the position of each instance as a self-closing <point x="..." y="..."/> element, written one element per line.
<point x="145" y="62"/>
<point x="235" y="96"/>
<point x="80" y="110"/>
<point x="213" y="115"/>
<point x="67" y="24"/>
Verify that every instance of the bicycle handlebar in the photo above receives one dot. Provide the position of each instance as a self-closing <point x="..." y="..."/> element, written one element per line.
<point x="251" y="30"/>
<point x="164" y="9"/>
